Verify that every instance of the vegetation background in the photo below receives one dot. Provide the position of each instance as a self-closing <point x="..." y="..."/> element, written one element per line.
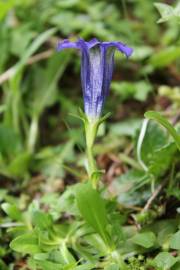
<point x="42" y="144"/>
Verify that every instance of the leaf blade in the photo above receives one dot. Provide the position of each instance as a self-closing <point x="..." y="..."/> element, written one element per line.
<point x="92" y="208"/>
<point x="162" y="120"/>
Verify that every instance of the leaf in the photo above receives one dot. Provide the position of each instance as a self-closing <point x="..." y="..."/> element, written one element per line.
<point x="26" y="244"/>
<point x="146" y="239"/>
<point x="164" y="229"/>
<point x="113" y="266"/>
<point x="126" y="90"/>
<point x="127" y="127"/>
<point x="66" y="255"/>
<point x="3" y="266"/>
<point x="163" y="121"/>
<point x="165" y="57"/>
<point x="45" y="92"/>
<point x="32" y="49"/>
<point x="176" y="266"/>
<point x="67" y="203"/>
<point x="157" y="153"/>
<point x="42" y="220"/>
<point x="5" y="6"/>
<point x="87" y="266"/>
<point x="20" y="164"/>
<point x="124" y="184"/>
<point x="141" y="52"/>
<point x="50" y="159"/>
<point x="155" y="138"/>
<point x="48" y="265"/>
<point x="12" y="211"/>
<point x="175" y="241"/>
<point x="177" y="9"/>
<point x="92" y="208"/>
<point x="165" y="10"/>
<point x="10" y="143"/>
<point x="25" y="31"/>
<point x="96" y="241"/>
<point x="161" y="159"/>
<point x="164" y="260"/>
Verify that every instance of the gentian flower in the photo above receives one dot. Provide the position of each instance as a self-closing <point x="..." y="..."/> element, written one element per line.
<point x="97" y="61"/>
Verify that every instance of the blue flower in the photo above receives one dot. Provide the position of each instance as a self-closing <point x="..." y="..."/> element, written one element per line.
<point x="97" y="63"/>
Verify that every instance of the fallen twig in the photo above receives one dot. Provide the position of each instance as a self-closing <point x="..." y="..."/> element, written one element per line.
<point x="33" y="59"/>
<point x="154" y="195"/>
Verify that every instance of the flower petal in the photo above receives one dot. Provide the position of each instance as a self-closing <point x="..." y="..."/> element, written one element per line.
<point x="66" y="44"/>
<point x="92" y="76"/>
<point x="120" y="46"/>
<point x="108" y="69"/>
<point x="97" y="63"/>
<point x="93" y="42"/>
<point x="96" y="79"/>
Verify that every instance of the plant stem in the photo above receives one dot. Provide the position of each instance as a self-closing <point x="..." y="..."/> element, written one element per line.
<point x="33" y="133"/>
<point x="91" y="161"/>
<point x="91" y="128"/>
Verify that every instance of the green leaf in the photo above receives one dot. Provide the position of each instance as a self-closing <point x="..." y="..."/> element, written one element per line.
<point x="66" y="255"/>
<point x="164" y="260"/>
<point x="45" y="92"/>
<point x="146" y="239"/>
<point x="12" y="211"/>
<point x="164" y="229"/>
<point x="3" y="266"/>
<point x="165" y="10"/>
<point x="113" y="266"/>
<point x="92" y="208"/>
<point x="25" y="31"/>
<point x="87" y="266"/>
<point x="165" y="57"/>
<point x="156" y="151"/>
<point x="175" y="241"/>
<point x="20" y="164"/>
<point x="32" y="49"/>
<point x="47" y="265"/>
<point x="10" y="143"/>
<point x="161" y="159"/>
<point x="124" y="184"/>
<point x="41" y="220"/>
<point x="128" y="127"/>
<point x="26" y="244"/>
<point x="5" y="7"/>
<point x="155" y="138"/>
<point x="176" y="266"/>
<point x="163" y="121"/>
<point x="177" y="10"/>
<point x="137" y="90"/>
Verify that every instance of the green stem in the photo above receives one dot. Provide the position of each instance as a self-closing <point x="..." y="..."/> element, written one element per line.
<point x="33" y="134"/>
<point x="91" y="161"/>
<point x="91" y="128"/>
<point x="117" y="258"/>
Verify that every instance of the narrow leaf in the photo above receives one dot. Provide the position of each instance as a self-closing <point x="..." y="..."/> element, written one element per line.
<point x="33" y="48"/>
<point x="92" y="208"/>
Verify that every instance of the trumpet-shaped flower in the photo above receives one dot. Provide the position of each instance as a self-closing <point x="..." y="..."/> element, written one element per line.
<point x="97" y="61"/>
